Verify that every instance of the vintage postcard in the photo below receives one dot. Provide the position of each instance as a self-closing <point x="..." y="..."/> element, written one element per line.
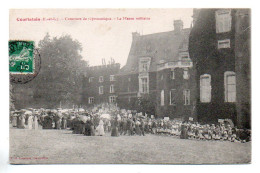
<point x="130" y="86"/>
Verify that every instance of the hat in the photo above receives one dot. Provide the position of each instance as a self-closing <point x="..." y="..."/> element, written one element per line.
<point x="28" y="113"/>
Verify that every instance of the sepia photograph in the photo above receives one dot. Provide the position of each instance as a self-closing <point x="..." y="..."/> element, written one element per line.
<point x="130" y="86"/>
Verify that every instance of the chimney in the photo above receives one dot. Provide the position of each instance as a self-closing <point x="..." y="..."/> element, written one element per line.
<point x="178" y="25"/>
<point x="135" y="35"/>
<point x="195" y="15"/>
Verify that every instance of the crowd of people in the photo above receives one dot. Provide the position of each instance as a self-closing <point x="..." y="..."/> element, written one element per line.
<point x="110" y="120"/>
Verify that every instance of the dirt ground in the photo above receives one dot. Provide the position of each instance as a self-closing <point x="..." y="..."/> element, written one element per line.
<point x="61" y="146"/>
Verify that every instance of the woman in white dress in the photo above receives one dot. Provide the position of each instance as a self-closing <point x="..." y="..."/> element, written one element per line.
<point x="35" y="122"/>
<point x="100" y="128"/>
<point x="30" y="122"/>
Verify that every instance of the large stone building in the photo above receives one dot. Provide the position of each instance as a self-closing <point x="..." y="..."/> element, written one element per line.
<point x="220" y="50"/>
<point x="99" y="84"/>
<point x="159" y="68"/>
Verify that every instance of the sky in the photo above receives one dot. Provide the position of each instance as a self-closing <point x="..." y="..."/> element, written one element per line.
<point x="99" y="38"/>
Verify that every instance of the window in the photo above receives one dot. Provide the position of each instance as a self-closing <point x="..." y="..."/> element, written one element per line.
<point x="90" y="79"/>
<point x="91" y="100"/>
<point x="112" y="90"/>
<point x="112" y="77"/>
<point x="112" y="99"/>
<point x="162" y="98"/>
<point x="144" y="64"/>
<point x="144" y="85"/>
<point x="223" y="21"/>
<point x="101" y="79"/>
<point x="172" y="97"/>
<point x="172" y="74"/>
<point x="223" y="44"/>
<point x="144" y="67"/>
<point x="186" y="74"/>
<point x="100" y="89"/>
<point x="230" y="86"/>
<point x="205" y="88"/>
<point x="186" y="96"/>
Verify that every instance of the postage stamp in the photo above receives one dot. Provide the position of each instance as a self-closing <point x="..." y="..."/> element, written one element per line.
<point x="21" y="56"/>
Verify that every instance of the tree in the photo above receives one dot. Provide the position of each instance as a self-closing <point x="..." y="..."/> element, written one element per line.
<point x="146" y="105"/>
<point x="60" y="77"/>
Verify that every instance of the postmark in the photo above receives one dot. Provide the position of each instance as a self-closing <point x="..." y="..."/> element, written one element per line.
<point x="24" y="61"/>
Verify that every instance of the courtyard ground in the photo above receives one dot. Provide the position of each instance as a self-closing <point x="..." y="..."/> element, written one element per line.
<point x="61" y="146"/>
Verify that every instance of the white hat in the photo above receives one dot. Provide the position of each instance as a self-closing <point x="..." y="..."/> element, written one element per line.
<point x="28" y="113"/>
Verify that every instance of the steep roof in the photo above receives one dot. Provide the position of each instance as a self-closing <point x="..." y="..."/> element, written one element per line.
<point x="164" y="46"/>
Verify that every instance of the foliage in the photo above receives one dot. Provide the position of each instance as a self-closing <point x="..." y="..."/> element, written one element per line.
<point x="146" y="105"/>
<point x="59" y="80"/>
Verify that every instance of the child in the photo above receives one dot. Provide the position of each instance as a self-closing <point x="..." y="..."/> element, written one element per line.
<point x="217" y="133"/>
<point x="212" y="132"/>
<point x="222" y="130"/>
<point x="201" y="136"/>
<point x="225" y="135"/>
<point x="229" y="132"/>
<point x="206" y="131"/>
<point x="197" y="131"/>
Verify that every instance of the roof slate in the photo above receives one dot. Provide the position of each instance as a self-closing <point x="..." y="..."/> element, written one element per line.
<point x="164" y="46"/>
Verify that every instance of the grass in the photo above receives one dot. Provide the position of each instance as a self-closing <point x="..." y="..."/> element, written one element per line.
<point x="61" y="146"/>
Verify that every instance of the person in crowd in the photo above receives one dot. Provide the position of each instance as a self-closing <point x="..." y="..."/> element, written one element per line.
<point x="64" y="123"/>
<point x="92" y="128"/>
<point x="14" y="120"/>
<point x="30" y="121"/>
<point x="137" y="127"/>
<point x="87" y="128"/>
<point x="59" y="123"/>
<point x="100" y="128"/>
<point x="109" y="126"/>
<point x="115" y="127"/>
<point x="36" y="125"/>
<point x="130" y="125"/>
<point x="229" y="132"/>
<point x="149" y="126"/>
<point x="217" y="133"/>
<point x="184" y="131"/>
<point x="154" y="127"/>
<point x="124" y="126"/>
<point x="142" y="127"/>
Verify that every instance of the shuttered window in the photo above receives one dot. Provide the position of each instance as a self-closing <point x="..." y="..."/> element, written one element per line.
<point x="223" y="21"/>
<point x="205" y="88"/>
<point x="230" y="86"/>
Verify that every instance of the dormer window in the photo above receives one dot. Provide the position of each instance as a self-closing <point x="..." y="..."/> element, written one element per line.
<point x="144" y="64"/>
<point x="144" y="67"/>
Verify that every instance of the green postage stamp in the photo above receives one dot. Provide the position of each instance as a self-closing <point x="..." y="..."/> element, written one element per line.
<point x="21" y="57"/>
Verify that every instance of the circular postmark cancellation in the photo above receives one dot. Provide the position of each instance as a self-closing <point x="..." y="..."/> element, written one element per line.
<point x="24" y="61"/>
